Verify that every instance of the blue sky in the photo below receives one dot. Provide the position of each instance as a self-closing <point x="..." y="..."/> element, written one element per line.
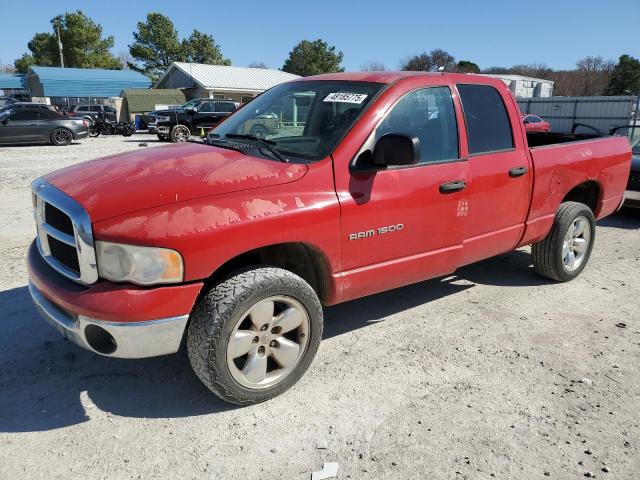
<point x="489" y="32"/>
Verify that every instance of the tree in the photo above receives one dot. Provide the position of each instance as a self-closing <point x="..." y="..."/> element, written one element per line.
<point x="625" y="76"/>
<point x="594" y="74"/>
<point x="82" y="45"/>
<point x="257" y="65"/>
<point x="433" y="61"/>
<point x="313" y="58"/>
<point x="24" y="62"/>
<point x="466" y="66"/>
<point x="202" y="48"/>
<point x="535" y="70"/>
<point x="373" y="67"/>
<point x="156" y="46"/>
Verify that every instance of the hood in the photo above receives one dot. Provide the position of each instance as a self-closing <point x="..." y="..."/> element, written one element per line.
<point x="152" y="177"/>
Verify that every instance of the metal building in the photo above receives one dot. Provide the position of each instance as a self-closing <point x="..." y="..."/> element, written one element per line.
<point x="13" y="85"/>
<point x="81" y="85"/>
<point x="198" y="80"/>
<point x="526" y="87"/>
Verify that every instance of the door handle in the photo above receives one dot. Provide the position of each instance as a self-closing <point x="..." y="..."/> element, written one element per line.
<point x="517" y="172"/>
<point x="450" y="187"/>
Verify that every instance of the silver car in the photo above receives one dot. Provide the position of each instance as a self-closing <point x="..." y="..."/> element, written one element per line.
<point x="39" y="125"/>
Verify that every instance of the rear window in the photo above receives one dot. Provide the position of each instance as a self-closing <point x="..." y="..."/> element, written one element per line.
<point x="488" y="126"/>
<point x="225" y="107"/>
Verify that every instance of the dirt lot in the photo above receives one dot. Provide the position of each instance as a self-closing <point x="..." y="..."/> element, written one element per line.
<point x="490" y="373"/>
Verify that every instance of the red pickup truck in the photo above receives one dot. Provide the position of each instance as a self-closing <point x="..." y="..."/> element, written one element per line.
<point x="370" y="182"/>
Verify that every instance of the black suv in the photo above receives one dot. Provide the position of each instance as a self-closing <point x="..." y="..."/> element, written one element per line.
<point x="90" y="112"/>
<point x="193" y="118"/>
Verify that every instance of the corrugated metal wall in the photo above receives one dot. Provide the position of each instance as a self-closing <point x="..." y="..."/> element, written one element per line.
<point x="81" y="82"/>
<point x="562" y="113"/>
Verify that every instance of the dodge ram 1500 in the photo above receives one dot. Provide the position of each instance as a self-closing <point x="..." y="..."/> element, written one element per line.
<point x="378" y="181"/>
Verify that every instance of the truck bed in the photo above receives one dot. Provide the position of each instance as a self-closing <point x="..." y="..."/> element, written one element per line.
<point x="536" y="139"/>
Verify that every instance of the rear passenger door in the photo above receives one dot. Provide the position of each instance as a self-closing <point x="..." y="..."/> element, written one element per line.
<point x="500" y="174"/>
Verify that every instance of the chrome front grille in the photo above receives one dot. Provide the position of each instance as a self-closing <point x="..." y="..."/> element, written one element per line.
<point x="65" y="238"/>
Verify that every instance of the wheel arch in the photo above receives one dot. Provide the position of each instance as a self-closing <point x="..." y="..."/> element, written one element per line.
<point x="588" y="192"/>
<point x="303" y="259"/>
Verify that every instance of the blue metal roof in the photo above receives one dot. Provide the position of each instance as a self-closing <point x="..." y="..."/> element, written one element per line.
<point x="8" y="80"/>
<point x="87" y="82"/>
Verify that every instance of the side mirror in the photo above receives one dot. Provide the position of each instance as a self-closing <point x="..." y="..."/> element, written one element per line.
<point x="396" y="149"/>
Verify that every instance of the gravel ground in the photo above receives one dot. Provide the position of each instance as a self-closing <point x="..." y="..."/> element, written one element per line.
<point x="490" y="373"/>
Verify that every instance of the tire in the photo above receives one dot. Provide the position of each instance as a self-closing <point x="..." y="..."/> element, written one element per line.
<point x="240" y="306"/>
<point x="566" y="249"/>
<point x="179" y="133"/>
<point x="61" y="137"/>
<point x="259" y="131"/>
<point x="93" y="131"/>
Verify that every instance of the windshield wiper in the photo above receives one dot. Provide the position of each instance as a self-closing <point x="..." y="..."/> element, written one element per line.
<point x="268" y="145"/>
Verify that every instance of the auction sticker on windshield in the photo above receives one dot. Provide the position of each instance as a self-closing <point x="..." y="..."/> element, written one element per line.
<point x="346" y="97"/>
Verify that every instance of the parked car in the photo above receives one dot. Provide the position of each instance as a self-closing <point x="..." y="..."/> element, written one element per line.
<point x="234" y="245"/>
<point x="533" y="123"/>
<point x="29" y="105"/>
<point x="632" y="194"/>
<point x="4" y="101"/>
<point x="91" y="112"/>
<point x="39" y="125"/>
<point x="179" y="124"/>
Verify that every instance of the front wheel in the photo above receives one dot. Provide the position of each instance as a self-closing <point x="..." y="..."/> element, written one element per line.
<point x="252" y="336"/>
<point x="179" y="133"/>
<point x="94" y="131"/>
<point x="566" y="249"/>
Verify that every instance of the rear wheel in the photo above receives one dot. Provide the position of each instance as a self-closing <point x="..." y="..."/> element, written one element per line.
<point x="61" y="137"/>
<point x="253" y="336"/>
<point x="259" y="131"/>
<point x="179" y="133"/>
<point x="566" y="249"/>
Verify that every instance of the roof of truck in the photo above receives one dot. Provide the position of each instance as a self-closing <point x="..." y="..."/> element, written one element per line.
<point x="390" y="77"/>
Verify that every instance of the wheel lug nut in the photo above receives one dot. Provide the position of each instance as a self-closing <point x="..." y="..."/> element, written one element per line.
<point x="276" y="330"/>
<point x="261" y="350"/>
<point x="264" y="327"/>
<point x="273" y="343"/>
<point x="255" y="339"/>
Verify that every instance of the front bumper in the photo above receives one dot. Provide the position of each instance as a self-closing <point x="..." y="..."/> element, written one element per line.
<point x="116" y="320"/>
<point x="114" y="339"/>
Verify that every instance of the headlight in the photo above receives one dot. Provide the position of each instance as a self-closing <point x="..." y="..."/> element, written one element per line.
<point x="139" y="265"/>
<point x="163" y="119"/>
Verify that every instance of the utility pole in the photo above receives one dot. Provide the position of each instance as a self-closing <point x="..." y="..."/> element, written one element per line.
<point x="60" y="45"/>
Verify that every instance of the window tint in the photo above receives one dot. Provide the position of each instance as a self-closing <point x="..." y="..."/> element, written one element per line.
<point x="47" y="114"/>
<point x="25" y="115"/>
<point x="488" y="125"/>
<point x="95" y="108"/>
<point x="82" y="109"/>
<point x="533" y="119"/>
<point x="206" y="107"/>
<point x="110" y="109"/>
<point x="225" y="107"/>
<point x="429" y="115"/>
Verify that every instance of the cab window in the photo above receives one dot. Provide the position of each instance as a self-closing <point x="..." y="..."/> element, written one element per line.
<point x="485" y="114"/>
<point x="428" y="114"/>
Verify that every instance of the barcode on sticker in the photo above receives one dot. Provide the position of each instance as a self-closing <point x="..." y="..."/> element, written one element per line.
<point x="345" y="97"/>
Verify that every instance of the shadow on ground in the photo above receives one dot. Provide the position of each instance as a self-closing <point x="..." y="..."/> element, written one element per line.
<point x="42" y="375"/>
<point x="627" y="218"/>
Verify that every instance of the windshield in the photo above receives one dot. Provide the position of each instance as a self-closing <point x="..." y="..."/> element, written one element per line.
<point x="303" y="119"/>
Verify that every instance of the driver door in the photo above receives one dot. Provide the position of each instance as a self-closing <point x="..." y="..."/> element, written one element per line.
<point x="20" y="127"/>
<point x="405" y="224"/>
